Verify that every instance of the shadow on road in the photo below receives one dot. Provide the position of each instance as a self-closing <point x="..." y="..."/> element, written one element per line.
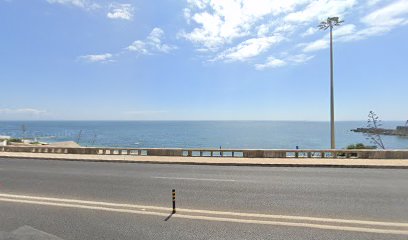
<point x="168" y="217"/>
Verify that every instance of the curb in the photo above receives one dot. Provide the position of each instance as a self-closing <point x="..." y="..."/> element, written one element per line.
<point x="218" y="164"/>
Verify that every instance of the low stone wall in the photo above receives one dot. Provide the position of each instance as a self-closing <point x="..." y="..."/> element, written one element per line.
<point x="247" y="153"/>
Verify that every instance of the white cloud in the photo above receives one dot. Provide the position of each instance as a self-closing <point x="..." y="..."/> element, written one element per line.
<point x="220" y="22"/>
<point x="21" y="110"/>
<point x="316" y="45"/>
<point x="187" y="14"/>
<point x="138" y="46"/>
<point x="271" y="63"/>
<point x="120" y="11"/>
<point x="310" y="31"/>
<point x="85" y="4"/>
<point x="249" y="48"/>
<point x="261" y="24"/>
<point x="23" y="113"/>
<point x="381" y="21"/>
<point x="365" y="33"/>
<point x="240" y="30"/>
<point x="285" y="28"/>
<point x="300" y="58"/>
<point x="341" y="32"/>
<point x="390" y="15"/>
<point x="344" y="30"/>
<point x="371" y="3"/>
<point x="263" y="30"/>
<point x="315" y="10"/>
<point x="27" y="111"/>
<point x="107" y="57"/>
<point x="197" y="3"/>
<point x="152" y="43"/>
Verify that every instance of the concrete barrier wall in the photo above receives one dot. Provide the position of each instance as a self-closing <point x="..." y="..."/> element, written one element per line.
<point x="247" y="153"/>
<point x="164" y="152"/>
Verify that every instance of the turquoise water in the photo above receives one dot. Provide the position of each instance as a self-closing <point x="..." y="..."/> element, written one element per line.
<point x="190" y="134"/>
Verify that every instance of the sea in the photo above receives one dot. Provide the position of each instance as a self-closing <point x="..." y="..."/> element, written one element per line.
<point x="199" y="134"/>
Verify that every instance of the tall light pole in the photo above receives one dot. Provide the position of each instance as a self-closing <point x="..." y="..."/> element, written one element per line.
<point x="330" y="23"/>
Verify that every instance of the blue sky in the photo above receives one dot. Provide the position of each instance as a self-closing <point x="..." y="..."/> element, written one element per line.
<point x="201" y="60"/>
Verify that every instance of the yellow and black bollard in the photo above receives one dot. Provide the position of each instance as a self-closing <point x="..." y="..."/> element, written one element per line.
<point x="174" y="200"/>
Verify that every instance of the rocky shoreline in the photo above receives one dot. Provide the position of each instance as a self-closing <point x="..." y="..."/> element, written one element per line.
<point x="399" y="131"/>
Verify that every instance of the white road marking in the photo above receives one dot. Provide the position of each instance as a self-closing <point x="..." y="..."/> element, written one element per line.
<point x="82" y="202"/>
<point x="295" y="224"/>
<point x="198" y="179"/>
<point x="184" y="213"/>
<point x="301" y="218"/>
<point x="144" y="207"/>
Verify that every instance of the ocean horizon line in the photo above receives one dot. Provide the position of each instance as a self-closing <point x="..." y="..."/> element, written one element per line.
<point x="205" y="120"/>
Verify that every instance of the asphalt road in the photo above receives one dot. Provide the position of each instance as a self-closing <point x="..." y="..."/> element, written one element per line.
<point x="379" y="195"/>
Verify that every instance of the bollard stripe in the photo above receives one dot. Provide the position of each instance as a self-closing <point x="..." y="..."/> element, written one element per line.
<point x="174" y="200"/>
